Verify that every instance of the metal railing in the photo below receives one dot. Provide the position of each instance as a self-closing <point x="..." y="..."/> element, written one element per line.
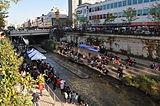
<point x="52" y="94"/>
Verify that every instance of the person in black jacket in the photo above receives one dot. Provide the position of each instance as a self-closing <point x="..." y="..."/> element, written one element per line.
<point x="35" y="98"/>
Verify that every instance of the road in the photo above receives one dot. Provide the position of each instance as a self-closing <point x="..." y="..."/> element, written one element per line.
<point x="99" y="91"/>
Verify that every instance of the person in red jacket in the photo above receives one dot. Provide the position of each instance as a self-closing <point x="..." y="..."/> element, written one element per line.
<point x="40" y="87"/>
<point x="58" y="81"/>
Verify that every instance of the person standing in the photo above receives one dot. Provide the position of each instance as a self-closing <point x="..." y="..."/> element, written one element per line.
<point x="40" y="87"/>
<point x="54" y="82"/>
<point x="35" y="98"/>
<point x="58" y="82"/>
<point x="120" y="71"/>
<point x="65" y="96"/>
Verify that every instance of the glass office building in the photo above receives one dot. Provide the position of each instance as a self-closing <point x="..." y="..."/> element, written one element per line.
<point x="100" y="10"/>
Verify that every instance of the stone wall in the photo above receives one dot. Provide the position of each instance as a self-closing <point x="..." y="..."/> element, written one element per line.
<point x="135" y="45"/>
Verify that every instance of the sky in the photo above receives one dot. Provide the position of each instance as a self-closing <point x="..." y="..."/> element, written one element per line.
<point x="29" y="9"/>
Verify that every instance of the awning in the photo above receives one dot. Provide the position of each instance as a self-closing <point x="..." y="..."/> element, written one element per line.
<point x="92" y="48"/>
<point x="34" y="54"/>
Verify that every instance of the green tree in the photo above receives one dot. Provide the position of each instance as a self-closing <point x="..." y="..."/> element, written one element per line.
<point x="109" y="18"/>
<point x="155" y="14"/>
<point x="5" y="4"/>
<point x="12" y="83"/>
<point x="130" y="15"/>
<point x="75" y="19"/>
<point x="84" y="22"/>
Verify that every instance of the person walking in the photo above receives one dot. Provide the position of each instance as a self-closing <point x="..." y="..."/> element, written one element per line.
<point x="54" y="82"/>
<point x="40" y="87"/>
<point x="65" y="96"/>
<point x="35" y="98"/>
<point x="58" y="82"/>
<point x="120" y="72"/>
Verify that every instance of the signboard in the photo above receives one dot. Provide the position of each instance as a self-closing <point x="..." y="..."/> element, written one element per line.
<point x="79" y="12"/>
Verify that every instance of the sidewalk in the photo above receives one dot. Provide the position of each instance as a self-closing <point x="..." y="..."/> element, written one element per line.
<point x="47" y="100"/>
<point x="145" y="63"/>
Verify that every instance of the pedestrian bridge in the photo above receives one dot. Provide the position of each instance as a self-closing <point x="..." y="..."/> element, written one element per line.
<point x="29" y="33"/>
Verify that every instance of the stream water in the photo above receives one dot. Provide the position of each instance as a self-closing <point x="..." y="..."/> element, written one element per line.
<point x="100" y="91"/>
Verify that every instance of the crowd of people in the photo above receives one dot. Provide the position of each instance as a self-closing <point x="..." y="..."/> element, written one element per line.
<point x="155" y="66"/>
<point x="51" y="76"/>
<point x="100" y="62"/>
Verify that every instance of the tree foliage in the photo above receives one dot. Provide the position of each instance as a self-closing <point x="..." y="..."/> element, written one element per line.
<point x="5" y="4"/>
<point x="10" y="62"/>
<point x="155" y="12"/>
<point x="130" y="15"/>
<point x="109" y="18"/>
<point x="147" y="83"/>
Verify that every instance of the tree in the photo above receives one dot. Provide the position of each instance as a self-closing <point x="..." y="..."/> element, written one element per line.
<point x="75" y="20"/>
<point x="11" y="82"/>
<point x="5" y="4"/>
<point x="84" y="22"/>
<point x="155" y="13"/>
<point x="130" y="15"/>
<point x="2" y="16"/>
<point x="109" y="18"/>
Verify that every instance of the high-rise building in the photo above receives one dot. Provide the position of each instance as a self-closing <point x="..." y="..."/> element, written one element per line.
<point x="73" y="4"/>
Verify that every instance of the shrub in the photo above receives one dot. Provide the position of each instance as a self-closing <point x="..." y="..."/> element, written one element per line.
<point x="146" y="83"/>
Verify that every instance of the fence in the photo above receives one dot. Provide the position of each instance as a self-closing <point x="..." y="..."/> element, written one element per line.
<point x="53" y="95"/>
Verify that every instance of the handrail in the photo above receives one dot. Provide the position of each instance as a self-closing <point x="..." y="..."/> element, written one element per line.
<point x="52" y="94"/>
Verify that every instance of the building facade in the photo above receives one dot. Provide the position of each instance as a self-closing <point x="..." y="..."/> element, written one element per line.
<point x="96" y="13"/>
<point x="73" y="4"/>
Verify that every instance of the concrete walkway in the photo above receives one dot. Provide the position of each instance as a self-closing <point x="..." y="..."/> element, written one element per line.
<point x="47" y="100"/>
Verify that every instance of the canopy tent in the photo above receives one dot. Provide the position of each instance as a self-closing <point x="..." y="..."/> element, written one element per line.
<point x="92" y="48"/>
<point x="34" y="54"/>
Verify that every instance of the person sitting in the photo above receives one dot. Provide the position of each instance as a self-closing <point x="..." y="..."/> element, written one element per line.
<point x="153" y="65"/>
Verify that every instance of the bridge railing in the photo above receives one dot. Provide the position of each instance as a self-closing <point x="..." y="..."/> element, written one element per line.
<point x="29" y="31"/>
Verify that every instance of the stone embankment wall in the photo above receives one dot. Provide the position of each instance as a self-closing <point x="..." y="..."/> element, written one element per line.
<point x="136" y="45"/>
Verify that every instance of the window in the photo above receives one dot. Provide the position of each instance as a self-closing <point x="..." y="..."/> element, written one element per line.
<point x="152" y="0"/>
<point x="90" y="17"/>
<point x="129" y="2"/>
<point x="139" y="12"/>
<point x="140" y="1"/>
<point x="145" y="11"/>
<point x="120" y="14"/>
<point x="134" y="1"/>
<point x="112" y="5"/>
<point x="84" y="11"/>
<point x="115" y="14"/>
<point x="89" y="9"/>
<point x="119" y="4"/>
<point x="104" y="7"/>
<point x="100" y="16"/>
<point x="115" y="5"/>
<point x="124" y="3"/>
<point x="104" y="16"/>
<point x="145" y="1"/>
<point x="100" y="7"/>
<point x="108" y="6"/>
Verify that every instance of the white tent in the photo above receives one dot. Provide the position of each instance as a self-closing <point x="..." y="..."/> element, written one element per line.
<point x="34" y="54"/>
